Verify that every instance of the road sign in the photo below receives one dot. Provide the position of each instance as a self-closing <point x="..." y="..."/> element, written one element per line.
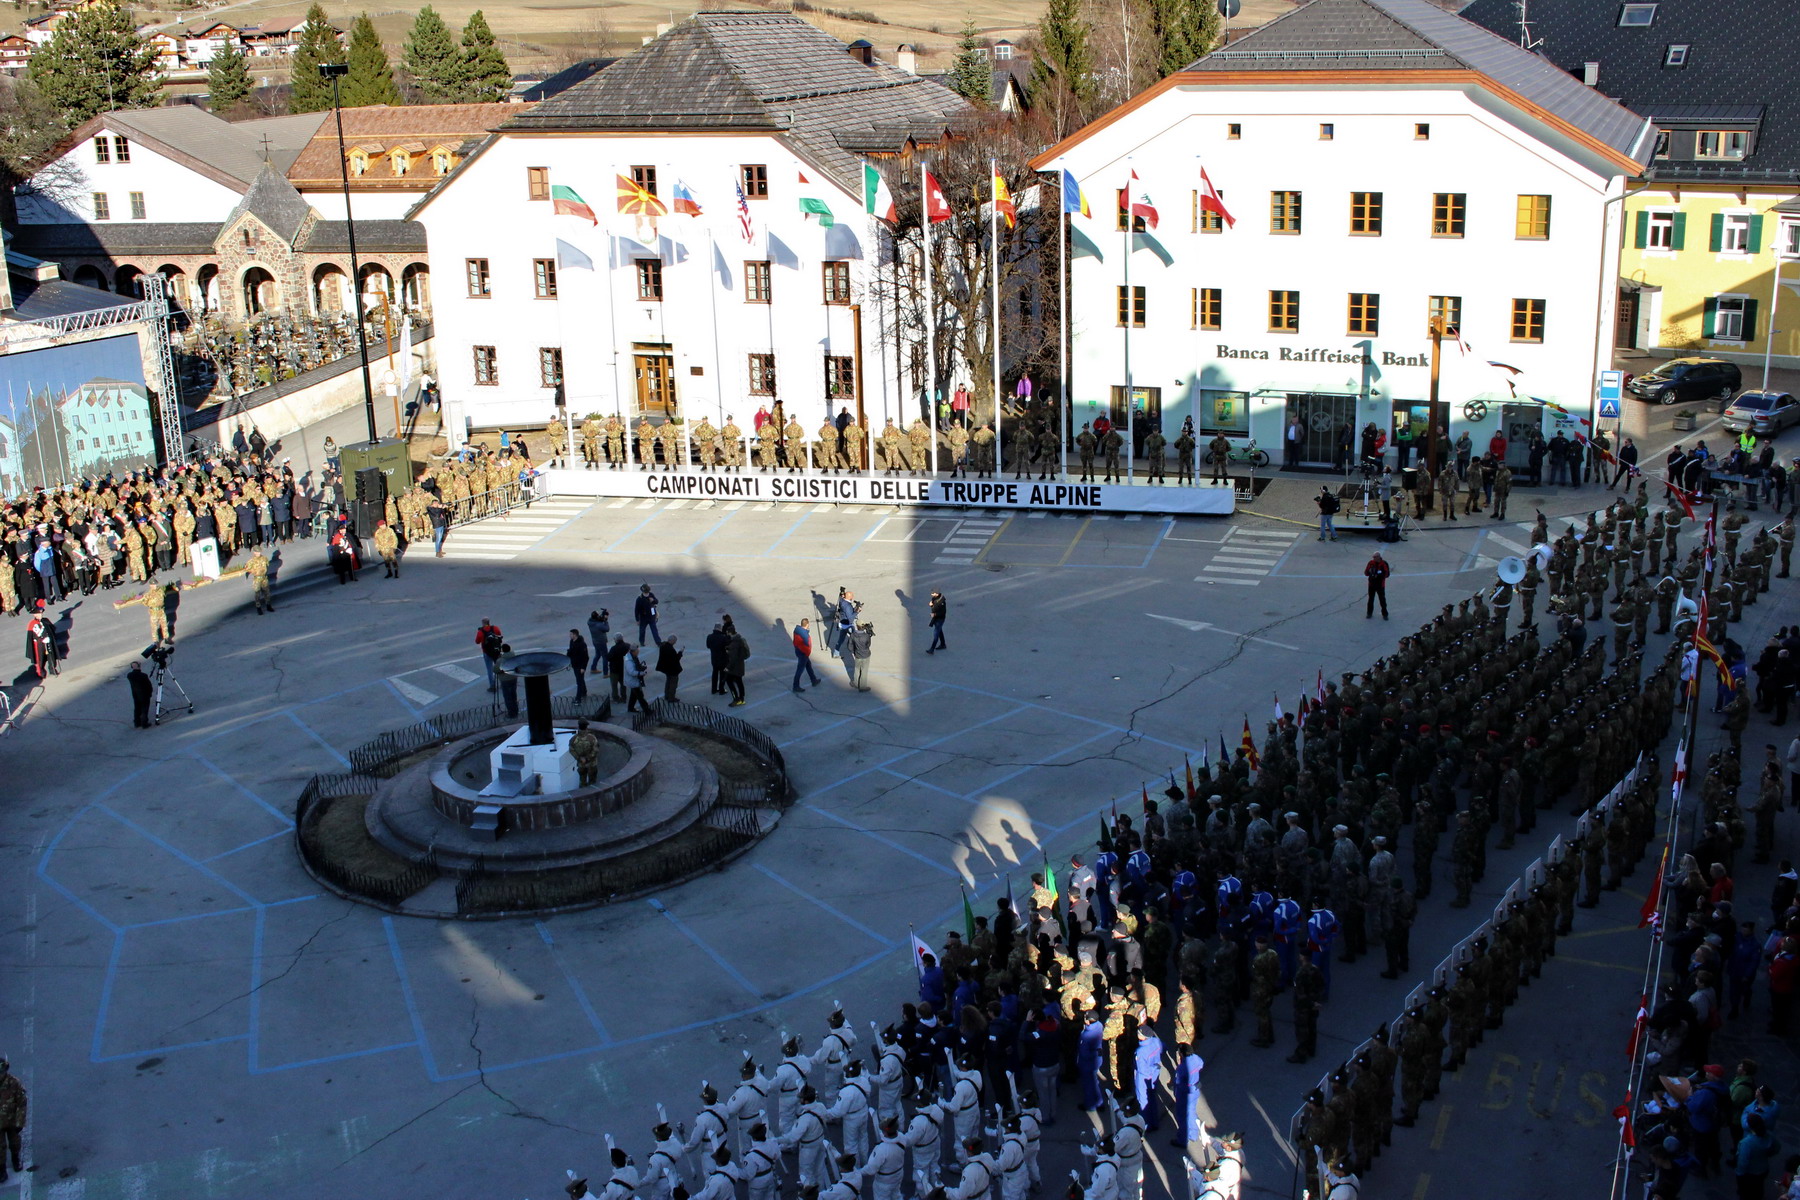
<point x="1612" y="389"/>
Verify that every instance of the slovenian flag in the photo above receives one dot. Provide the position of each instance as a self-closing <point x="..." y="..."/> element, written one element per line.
<point x="565" y="201"/>
<point x="1003" y="201"/>
<point x="1074" y="200"/>
<point x="685" y="204"/>
<point x="811" y="205"/>
<point x="878" y="198"/>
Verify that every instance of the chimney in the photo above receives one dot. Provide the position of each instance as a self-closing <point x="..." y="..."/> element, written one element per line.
<point x="862" y="51"/>
<point x="906" y="59"/>
<point x="1590" y="74"/>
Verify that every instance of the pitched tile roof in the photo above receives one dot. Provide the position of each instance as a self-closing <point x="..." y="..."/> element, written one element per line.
<point x="385" y="128"/>
<point x="273" y="201"/>
<point x="1374" y="35"/>
<point x="332" y="237"/>
<point x="1741" y="53"/>
<point x="116" y="238"/>
<point x="197" y="138"/>
<point x="756" y="71"/>
<point x="41" y="300"/>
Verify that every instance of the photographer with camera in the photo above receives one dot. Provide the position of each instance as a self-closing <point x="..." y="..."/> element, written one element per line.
<point x="141" y="691"/>
<point x="857" y="648"/>
<point x="847" y="608"/>
<point x="1328" y="507"/>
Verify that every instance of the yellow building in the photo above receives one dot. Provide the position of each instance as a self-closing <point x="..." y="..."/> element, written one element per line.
<point x="1719" y="205"/>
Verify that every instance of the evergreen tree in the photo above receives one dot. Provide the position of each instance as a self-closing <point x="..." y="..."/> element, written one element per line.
<point x="318" y="44"/>
<point x="228" y="82"/>
<point x="1065" y="55"/>
<point x="95" y="62"/>
<point x="486" y="77"/>
<point x="1187" y="29"/>
<point x="371" y="77"/>
<point x="970" y="76"/>
<point x="433" y="59"/>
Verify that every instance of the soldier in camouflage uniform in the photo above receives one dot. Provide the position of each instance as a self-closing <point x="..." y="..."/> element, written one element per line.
<point x="1309" y="998"/>
<point x="825" y="447"/>
<point x="794" y="444"/>
<point x="958" y="437"/>
<point x="920" y="454"/>
<point x="892" y="454"/>
<point x="257" y="571"/>
<point x="1464" y="855"/>
<point x="706" y="442"/>
<point x="615" y="442"/>
<point x="1184" y="456"/>
<point x="585" y="748"/>
<point x="767" y="445"/>
<point x="852" y="446"/>
<point x="646" y="443"/>
<point x="983" y="441"/>
<point x="387" y="545"/>
<point x="1156" y="448"/>
<point x="732" y="442"/>
<point x="670" y="437"/>
<point x="591" y="431"/>
<point x="1265" y="979"/>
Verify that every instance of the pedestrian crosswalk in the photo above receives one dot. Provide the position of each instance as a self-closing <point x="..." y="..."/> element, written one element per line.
<point x="968" y="539"/>
<point x="501" y="538"/>
<point x="1247" y="555"/>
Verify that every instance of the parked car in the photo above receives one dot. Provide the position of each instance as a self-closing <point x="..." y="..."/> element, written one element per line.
<point x="1762" y="413"/>
<point x="1681" y="380"/>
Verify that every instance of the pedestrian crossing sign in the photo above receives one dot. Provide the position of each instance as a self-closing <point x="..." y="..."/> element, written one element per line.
<point x="1612" y="388"/>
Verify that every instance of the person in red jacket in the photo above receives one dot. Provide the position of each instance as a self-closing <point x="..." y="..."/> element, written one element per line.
<point x="1377" y="572"/>
<point x="490" y="640"/>
<point x="1784" y="979"/>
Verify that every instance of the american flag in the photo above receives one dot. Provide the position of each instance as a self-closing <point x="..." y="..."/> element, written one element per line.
<point x="743" y="212"/>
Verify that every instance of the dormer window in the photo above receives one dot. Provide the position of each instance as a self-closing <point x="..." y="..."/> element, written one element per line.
<point x="1638" y="16"/>
<point x="400" y="160"/>
<point x="359" y="162"/>
<point x="1727" y="143"/>
<point x="441" y="161"/>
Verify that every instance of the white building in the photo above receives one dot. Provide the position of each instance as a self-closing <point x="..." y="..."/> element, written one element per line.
<point x="1385" y="161"/>
<point x="712" y="315"/>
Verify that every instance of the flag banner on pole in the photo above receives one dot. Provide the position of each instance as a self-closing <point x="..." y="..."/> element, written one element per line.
<point x="1189" y="768"/>
<point x="920" y="950"/>
<point x="1651" y="912"/>
<point x="1074" y="200"/>
<point x="878" y="198"/>
<point x="1003" y="201"/>
<point x="637" y="201"/>
<point x="567" y="202"/>
<point x="1637" y="1028"/>
<point x="1277" y="712"/>
<point x="1210" y="201"/>
<point x="968" y="920"/>
<point x="936" y="207"/>
<point x="743" y="212"/>
<point x="1138" y="202"/>
<point x="1224" y="753"/>
<point x="813" y="205"/>
<point x="1319" y="685"/>
<point x="685" y="204"/>
<point x="1249" y="746"/>
<point x="570" y="257"/>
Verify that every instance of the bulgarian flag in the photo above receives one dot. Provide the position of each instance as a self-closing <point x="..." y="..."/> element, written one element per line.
<point x="565" y="201"/>
<point x="811" y="205"/>
<point x="878" y="198"/>
<point x="1003" y="201"/>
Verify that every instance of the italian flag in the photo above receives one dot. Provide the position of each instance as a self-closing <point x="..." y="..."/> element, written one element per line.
<point x="811" y="205"/>
<point x="567" y="202"/>
<point x="878" y="199"/>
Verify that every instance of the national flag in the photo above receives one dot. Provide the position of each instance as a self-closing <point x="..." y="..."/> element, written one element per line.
<point x="1205" y="763"/>
<point x="1686" y="502"/>
<point x="1224" y="754"/>
<point x="968" y="919"/>
<point x="920" y="950"/>
<point x="1512" y="370"/>
<point x="743" y="212"/>
<point x="1056" y="896"/>
<point x="1277" y="711"/>
<point x="1003" y="201"/>
<point x="565" y="201"/>
<point x="1188" y="768"/>
<point x="1319" y="686"/>
<point x="878" y="198"/>
<point x="1652" y="909"/>
<point x="1710" y="651"/>
<point x="1146" y="790"/>
<point x="1105" y="842"/>
<point x="1637" y="1028"/>
<point x="1678" y="776"/>
<point x="1627" y="1134"/>
<point x="570" y="257"/>
<point x="936" y="207"/>
<point x="1074" y="200"/>
<point x="1009" y="895"/>
<point x="1248" y="745"/>
<point x="685" y="204"/>
<point x="1138" y="202"/>
<point x="1210" y="201"/>
<point x="812" y="205"/>
<point x="636" y="200"/>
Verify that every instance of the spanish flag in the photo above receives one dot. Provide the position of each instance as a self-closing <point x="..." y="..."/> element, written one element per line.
<point x="1003" y="201"/>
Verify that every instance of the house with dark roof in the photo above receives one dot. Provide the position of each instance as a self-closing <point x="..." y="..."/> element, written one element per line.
<point x="1282" y="230"/>
<point x="1706" y="229"/>
<point x="681" y="234"/>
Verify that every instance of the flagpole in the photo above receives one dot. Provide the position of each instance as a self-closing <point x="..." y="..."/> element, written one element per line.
<point x="1062" y="286"/>
<point x="994" y="281"/>
<point x="930" y="299"/>
<point x="1130" y="311"/>
<point x="712" y="295"/>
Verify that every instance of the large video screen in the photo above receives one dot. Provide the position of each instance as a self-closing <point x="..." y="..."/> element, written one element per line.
<point x="73" y="412"/>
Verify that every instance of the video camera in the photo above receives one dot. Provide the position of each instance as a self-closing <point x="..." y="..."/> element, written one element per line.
<point x="158" y="653"/>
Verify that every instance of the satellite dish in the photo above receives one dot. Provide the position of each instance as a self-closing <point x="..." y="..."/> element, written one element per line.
<point x="1230" y="8"/>
<point x="1511" y="569"/>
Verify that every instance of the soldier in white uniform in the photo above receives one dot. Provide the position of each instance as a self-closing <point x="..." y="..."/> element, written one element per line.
<point x="749" y="1102"/>
<point x="890" y="1073"/>
<point x="790" y="1077"/>
<point x="924" y="1137"/>
<point x="965" y="1102"/>
<point x="1128" y="1146"/>
<point x="1032" y="1129"/>
<point x="1230" y="1181"/>
<point x="834" y="1051"/>
<point x="1103" y="1180"/>
<point x="977" y="1174"/>
<point x="663" y="1171"/>
<point x="852" y="1111"/>
<point x="885" y="1168"/>
<point x="709" y="1129"/>
<point x="721" y="1178"/>
<point x="762" y="1164"/>
<point x="849" y="1181"/>
<point x="1011" y="1162"/>
<point x="807" y="1139"/>
<point x="624" y="1180"/>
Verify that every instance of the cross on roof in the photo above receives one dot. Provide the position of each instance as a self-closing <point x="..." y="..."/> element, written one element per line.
<point x="265" y="147"/>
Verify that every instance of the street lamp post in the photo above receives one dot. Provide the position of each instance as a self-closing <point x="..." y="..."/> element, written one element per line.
<point x="336" y="72"/>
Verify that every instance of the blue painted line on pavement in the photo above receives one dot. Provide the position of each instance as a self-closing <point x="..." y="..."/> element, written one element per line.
<point x="845" y="917"/>
<point x="858" y="543"/>
<point x="1010" y="775"/>
<point x="284" y="818"/>
<point x="106" y="991"/>
<point x="246" y="846"/>
<point x="331" y="1058"/>
<point x="886" y="841"/>
<point x="919" y="781"/>
<point x="736" y="975"/>
<point x="195" y="1045"/>
<point x="224" y="912"/>
<point x="183" y="855"/>
<point x="1474" y="552"/>
<point x="314" y="735"/>
<point x="581" y="996"/>
<point x="412" y="1006"/>
<point x="1168" y="523"/>
<point x="43" y="870"/>
<point x="717" y="525"/>
<point x="256" y="970"/>
<point x="791" y="531"/>
<point x="584" y="512"/>
<point x="405" y="703"/>
<point x="632" y="532"/>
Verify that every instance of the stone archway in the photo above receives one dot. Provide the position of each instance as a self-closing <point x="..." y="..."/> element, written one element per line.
<point x="88" y="275"/>
<point x="375" y="279"/>
<point x="415" y="287"/>
<point x="206" y="287"/>
<point x="330" y="289"/>
<point x="261" y="293"/>
<point x="125" y="281"/>
<point x="180" y="286"/>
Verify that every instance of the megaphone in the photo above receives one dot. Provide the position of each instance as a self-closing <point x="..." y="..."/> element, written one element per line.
<point x="1511" y="569"/>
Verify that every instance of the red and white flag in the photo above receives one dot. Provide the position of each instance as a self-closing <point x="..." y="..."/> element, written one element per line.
<point x="1651" y="912"/>
<point x="1627" y="1134"/>
<point x="1637" y="1028"/>
<point x="936" y="207"/>
<point x="920" y="950"/>
<point x="1278" y="710"/>
<point x="1138" y="202"/>
<point x="1209" y="201"/>
<point x="1319" y="686"/>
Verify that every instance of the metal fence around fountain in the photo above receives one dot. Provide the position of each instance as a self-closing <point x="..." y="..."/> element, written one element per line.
<point x="775" y="788"/>
<point x="316" y="799"/>
<point x="384" y="754"/>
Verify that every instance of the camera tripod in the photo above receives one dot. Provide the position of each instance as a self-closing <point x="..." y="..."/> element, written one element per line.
<point x="160" y="674"/>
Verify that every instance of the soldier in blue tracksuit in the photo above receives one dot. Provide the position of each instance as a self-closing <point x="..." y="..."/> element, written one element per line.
<point x="1321" y="935"/>
<point x="1147" y="1071"/>
<point x="1290" y="926"/>
<point x="1090" y="1052"/>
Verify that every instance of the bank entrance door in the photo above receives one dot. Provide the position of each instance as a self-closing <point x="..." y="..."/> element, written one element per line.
<point x="1146" y="414"/>
<point x="1320" y="417"/>
<point x="1519" y="422"/>
<point x="655" y="379"/>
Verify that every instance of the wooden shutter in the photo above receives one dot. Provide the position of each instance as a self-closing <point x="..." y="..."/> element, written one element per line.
<point x="1679" y="239"/>
<point x="1709" y="317"/>
<point x="1643" y="230"/>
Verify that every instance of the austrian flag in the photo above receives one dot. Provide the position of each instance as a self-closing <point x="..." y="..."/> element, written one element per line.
<point x="1210" y="201"/>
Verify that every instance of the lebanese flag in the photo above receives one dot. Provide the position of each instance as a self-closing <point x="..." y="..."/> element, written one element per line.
<point x="1138" y="202"/>
<point x="936" y="207"/>
<point x="1209" y="201"/>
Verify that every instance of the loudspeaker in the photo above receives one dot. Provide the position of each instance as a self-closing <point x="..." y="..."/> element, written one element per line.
<point x="368" y="514"/>
<point x="388" y="454"/>
<point x="1409" y="478"/>
<point x="371" y="486"/>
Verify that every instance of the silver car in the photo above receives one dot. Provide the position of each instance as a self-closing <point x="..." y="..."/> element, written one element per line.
<point x="1762" y="413"/>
